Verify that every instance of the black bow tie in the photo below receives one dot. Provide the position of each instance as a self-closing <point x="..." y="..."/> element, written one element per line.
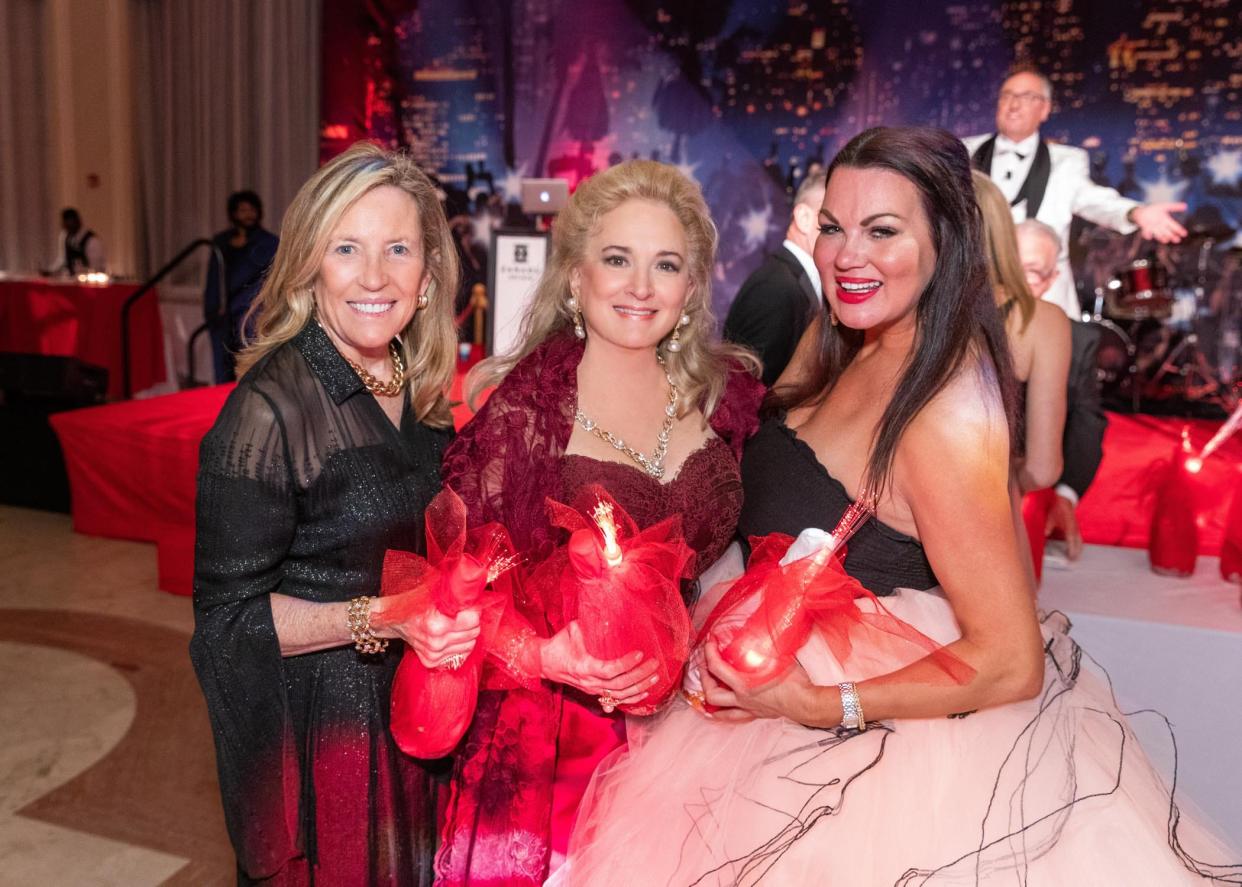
<point x="1021" y="157"/>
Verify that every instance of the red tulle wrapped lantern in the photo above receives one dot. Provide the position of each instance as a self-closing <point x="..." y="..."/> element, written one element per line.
<point x="622" y="585"/>
<point x="763" y="647"/>
<point x="1173" y="545"/>
<point x="432" y="707"/>
<point x="810" y="592"/>
<point x="784" y="596"/>
<point x="1231" y="542"/>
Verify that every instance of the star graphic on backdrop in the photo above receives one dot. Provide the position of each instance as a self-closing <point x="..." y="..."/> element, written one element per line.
<point x="1163" y="190"/>
<point x="511" y="184"/>
<point x="1226" y="167"/>
<point x="754" y="226"/>
<point x="687" y="170"/>
<point x="481" y="228"/>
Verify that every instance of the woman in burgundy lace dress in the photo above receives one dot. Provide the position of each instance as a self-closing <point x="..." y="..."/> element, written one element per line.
<point x="617" y="383"/>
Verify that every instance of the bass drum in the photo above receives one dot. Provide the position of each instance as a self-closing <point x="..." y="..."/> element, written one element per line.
<point x="1114" y="360"/>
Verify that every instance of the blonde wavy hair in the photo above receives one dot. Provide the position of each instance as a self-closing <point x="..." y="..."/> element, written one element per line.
<point x="701" y="366"/>
<point x="1004" y="263"/>
<point x="287" y="302"/>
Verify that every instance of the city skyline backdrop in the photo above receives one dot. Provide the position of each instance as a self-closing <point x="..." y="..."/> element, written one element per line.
<point x="743" y="95"/>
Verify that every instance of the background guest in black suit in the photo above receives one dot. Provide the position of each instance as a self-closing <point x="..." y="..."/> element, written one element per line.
<point x="777" y="302"/>
<point x="1083" y="442"/>
<point x="248" y="249"/>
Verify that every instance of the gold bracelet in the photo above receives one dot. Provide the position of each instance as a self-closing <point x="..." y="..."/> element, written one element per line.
<point x="359" y="622"/>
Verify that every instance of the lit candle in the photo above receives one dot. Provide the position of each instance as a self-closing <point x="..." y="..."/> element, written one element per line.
<point x="604" y="519"/>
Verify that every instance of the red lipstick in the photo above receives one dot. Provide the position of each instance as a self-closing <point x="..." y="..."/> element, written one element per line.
<point x="856" y="290"/>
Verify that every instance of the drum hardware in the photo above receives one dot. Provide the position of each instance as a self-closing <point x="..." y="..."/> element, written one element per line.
<point x="1188" y="362"/>
<point x="1153" y="328"/>
<point x="1200" y="380"/>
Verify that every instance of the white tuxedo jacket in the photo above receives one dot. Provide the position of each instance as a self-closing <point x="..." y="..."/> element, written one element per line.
<point x="1070" y="192"/>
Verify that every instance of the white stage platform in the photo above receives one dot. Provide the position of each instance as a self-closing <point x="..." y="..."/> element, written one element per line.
<point x="1174" y="645"/>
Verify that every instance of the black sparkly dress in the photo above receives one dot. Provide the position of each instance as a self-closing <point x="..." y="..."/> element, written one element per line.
<point x="303" y="484"/>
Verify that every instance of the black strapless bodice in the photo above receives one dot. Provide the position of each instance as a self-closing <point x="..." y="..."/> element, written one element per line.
<point x="786" y="490"/>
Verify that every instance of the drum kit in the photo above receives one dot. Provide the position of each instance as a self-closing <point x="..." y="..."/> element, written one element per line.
<point x="1170" y="324"/>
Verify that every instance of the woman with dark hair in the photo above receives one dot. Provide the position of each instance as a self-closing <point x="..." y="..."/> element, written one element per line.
<point x="863" y="765"/>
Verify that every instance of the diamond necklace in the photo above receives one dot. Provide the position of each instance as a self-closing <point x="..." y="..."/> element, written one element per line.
<point x="653" y="465"/>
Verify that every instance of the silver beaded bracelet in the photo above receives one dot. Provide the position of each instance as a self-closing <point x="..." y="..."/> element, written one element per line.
<point x="851" y="708"/>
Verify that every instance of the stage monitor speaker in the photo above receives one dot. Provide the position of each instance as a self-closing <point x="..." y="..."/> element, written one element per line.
<point x="33" y="387"/>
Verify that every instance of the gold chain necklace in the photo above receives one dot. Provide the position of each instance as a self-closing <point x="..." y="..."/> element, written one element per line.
<point x="393" y="386"/>
<point x="653" y="464"/>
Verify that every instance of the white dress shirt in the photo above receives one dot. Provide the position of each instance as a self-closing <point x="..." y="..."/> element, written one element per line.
<point x="808" y="263"/>
<point x="1011" y="162"/>
<point x="96" y="258"/>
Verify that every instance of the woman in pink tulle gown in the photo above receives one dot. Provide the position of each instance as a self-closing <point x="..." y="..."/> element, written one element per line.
<point x="869" y="767"/>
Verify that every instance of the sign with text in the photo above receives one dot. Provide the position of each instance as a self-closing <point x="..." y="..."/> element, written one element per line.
<point x="517" y="260"/>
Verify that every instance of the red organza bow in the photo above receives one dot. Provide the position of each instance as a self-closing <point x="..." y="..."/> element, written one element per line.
<point x="812" y="592"/>
<point x="623" y="585"/>
<point x="431" y="707"/>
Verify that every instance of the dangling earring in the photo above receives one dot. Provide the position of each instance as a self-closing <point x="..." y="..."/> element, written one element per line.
<point x="674" y="342"/>
<point x="572" y="304"/>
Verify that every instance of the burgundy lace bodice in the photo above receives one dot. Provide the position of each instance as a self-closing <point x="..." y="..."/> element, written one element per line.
<point x="511" y="457"/>
<point x="707" y="493"/>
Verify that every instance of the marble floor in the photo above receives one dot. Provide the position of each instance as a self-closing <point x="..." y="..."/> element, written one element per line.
<point x="107" y="774"/>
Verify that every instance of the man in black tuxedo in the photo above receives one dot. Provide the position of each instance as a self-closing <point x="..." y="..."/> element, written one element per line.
<point x="1082" y="445"/>
<point x="779" y="299"/>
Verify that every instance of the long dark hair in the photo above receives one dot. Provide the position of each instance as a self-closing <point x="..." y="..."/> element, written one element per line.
<point x="956" y="314"/>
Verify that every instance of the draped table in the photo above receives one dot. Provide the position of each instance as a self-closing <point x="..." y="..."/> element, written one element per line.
<point x="132" y="465"/>
<point x="1116" y="509"/>
<point x="65" y="318"/>
<point x="132" y="468"/>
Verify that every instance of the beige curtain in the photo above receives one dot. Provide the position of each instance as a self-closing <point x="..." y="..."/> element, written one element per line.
<point x="226" y="97"/>
<point x="28" y="221"/>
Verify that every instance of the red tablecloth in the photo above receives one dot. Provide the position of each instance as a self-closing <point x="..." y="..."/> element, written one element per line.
<point x="132" y="468"/>
<point x="1117" y="508"/>
<point x="75" y="320"/>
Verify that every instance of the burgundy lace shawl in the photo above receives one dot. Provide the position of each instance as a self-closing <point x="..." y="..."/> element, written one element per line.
<point x="504" y="464"/>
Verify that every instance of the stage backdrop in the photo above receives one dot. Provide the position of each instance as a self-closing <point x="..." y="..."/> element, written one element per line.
<point x="745" y="95"/>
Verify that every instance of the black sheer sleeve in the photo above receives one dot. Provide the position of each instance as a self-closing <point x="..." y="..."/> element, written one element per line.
<point x="247" y="520"/>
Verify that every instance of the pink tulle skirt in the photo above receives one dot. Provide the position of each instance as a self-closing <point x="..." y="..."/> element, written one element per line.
<point x="1053" y="791"/>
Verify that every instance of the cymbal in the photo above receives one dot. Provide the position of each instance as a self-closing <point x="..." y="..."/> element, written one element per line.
<point x="1209" y="231"/>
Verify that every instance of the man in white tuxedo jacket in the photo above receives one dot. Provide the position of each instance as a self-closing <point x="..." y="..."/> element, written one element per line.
<point x="1052" y="183"/>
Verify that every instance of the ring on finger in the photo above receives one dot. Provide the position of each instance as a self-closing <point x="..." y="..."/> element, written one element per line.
<point x="454" y="662"/>
<point x="607" y="702"/>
